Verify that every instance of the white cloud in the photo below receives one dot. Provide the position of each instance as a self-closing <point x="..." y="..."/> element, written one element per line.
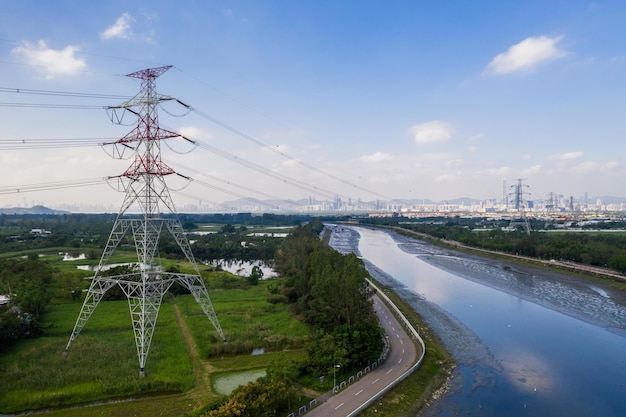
<point x="120" y="29"/>
<point x="585" y="167"/>
<point x="454" y="163"/>
<point x="526" y="55"/>
<point x="377" y="157"/>
<point x="535" y="169"/>
<point x="476" y="137"/>
<point x="567" y="156"/>
<point x="430" y="132"/>
<point x="472" y="148"/>
<point x="490" y="172"/>
<point x="53" y="62"/>
<point x="192" y="132"/>
<point x="449" y="176"/>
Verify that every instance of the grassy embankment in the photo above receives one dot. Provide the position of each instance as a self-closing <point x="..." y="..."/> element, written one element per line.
<point x="413" y="395"/>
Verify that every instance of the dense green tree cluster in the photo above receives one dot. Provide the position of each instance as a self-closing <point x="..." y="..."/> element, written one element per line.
<point x="330" y="292"/>
<point x="26" y="281"/>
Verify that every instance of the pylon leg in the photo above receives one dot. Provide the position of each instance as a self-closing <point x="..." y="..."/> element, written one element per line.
<point x="97" y="289"/>
<point x="196" y="287"/>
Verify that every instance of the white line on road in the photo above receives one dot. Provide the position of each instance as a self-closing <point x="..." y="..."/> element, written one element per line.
<point x="389" y="371"/>
<point x="358" y="393"/>
<point x="339" y="406"/>
<point x="375" y="381"/>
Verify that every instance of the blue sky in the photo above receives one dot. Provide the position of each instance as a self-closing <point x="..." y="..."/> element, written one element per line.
<point x="401" y="99"/>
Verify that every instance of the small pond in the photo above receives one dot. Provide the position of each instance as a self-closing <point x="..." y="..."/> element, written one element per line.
<point x="226" y="384"/>
<point x="243" y="268"/>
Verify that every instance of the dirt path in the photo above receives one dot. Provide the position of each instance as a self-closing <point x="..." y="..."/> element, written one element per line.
<point x="202" y="393"/>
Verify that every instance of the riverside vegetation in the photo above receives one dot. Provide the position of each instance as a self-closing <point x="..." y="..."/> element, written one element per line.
<point x="317" y="315"/>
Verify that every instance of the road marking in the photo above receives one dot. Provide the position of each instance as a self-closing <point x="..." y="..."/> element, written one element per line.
<point x="389" y="371"/>
<point x="403" y="351"/>
<point x="393" y="328"/>
<point x="358" y="393"/>
<point x="375" y="381"/>
<point x="336" y="408"/>
<point x="400" y="361"/>
<point x="401" y="342"/>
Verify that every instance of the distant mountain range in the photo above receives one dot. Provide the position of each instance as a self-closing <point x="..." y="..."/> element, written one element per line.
<point x="31" y="210"/>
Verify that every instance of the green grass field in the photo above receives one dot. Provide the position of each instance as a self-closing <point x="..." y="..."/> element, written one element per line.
<point x="102" y="363"/>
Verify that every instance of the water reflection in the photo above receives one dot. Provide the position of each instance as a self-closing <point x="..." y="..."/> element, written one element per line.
<point x="525" y="357"/>
<point x="243" y="268"/>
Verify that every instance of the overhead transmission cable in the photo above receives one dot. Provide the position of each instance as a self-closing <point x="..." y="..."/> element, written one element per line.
<point x="48" y="186"/>
<point x="27" y="91"/>
<point x="266" y="171"/>
<point x="279" y="152"/>
<point x="61" y="93"/>
<point x="46" y="143"/>
<point x="230" y="183"/>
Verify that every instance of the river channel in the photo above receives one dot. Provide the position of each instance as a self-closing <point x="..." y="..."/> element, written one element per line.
<point x="527" y="342"/>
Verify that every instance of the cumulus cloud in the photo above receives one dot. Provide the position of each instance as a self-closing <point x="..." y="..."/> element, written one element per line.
<point x="496" y="171"/>
<point x="120" y="29"/>
<point x="535" y="169"/>
<point x="377" y="157"/>
<point x="526" y="55"/>
<point x="449" y="176"/>
<point x="567" y="156"/>
<point x="431" y="132"/>
<point x="472" y="148"/>
<point x="53" y="62"/>
<point x="476" y="137"/>
<point x="193" y="132"/>
<point x="454" y="163"/>
<point x="585" y="167"/>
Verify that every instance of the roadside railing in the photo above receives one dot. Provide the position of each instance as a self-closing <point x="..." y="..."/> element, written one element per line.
<point x="383" y="357"/>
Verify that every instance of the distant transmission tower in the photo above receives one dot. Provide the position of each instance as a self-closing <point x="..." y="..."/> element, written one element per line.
<point x="144" y="185"/>
<point x="520" y="204"/>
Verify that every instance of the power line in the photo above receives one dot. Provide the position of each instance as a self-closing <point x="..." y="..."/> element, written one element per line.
<point x="62" y="93"/>
<point x="52" y="106"/>
<point x="48" y="186"/>
<point x="281" y="153"/>
<point x="48" y="143"/>
<point x="230" y="183"/>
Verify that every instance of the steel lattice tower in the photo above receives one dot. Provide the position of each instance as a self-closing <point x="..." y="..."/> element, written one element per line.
<point x="520" y="203"/>
<point x="144" y="185"/>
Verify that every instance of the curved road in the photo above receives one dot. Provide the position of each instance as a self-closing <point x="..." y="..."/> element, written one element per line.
<point x="402" y="356"/>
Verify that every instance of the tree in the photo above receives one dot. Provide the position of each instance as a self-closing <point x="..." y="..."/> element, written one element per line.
<point x="255" y="275"/>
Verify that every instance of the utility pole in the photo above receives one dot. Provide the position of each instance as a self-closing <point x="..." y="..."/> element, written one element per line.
<point x="144" y="185"/>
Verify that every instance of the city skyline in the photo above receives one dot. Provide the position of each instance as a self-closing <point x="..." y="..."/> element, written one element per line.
<point x="410" y="100"/>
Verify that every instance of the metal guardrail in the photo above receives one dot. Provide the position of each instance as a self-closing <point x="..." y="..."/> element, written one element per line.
<point x="409" y="371"/>
<point x="415" y="335"/>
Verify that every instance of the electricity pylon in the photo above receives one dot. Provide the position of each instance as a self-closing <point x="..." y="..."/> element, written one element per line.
<point x="144" y="185"/>
<point x="520" y="203"/>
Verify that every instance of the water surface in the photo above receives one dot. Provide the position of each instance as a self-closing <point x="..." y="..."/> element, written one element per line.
<point x="534" y="347"/>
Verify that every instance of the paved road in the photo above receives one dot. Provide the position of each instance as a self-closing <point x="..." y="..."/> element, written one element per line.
<point x="403" y="355"/>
